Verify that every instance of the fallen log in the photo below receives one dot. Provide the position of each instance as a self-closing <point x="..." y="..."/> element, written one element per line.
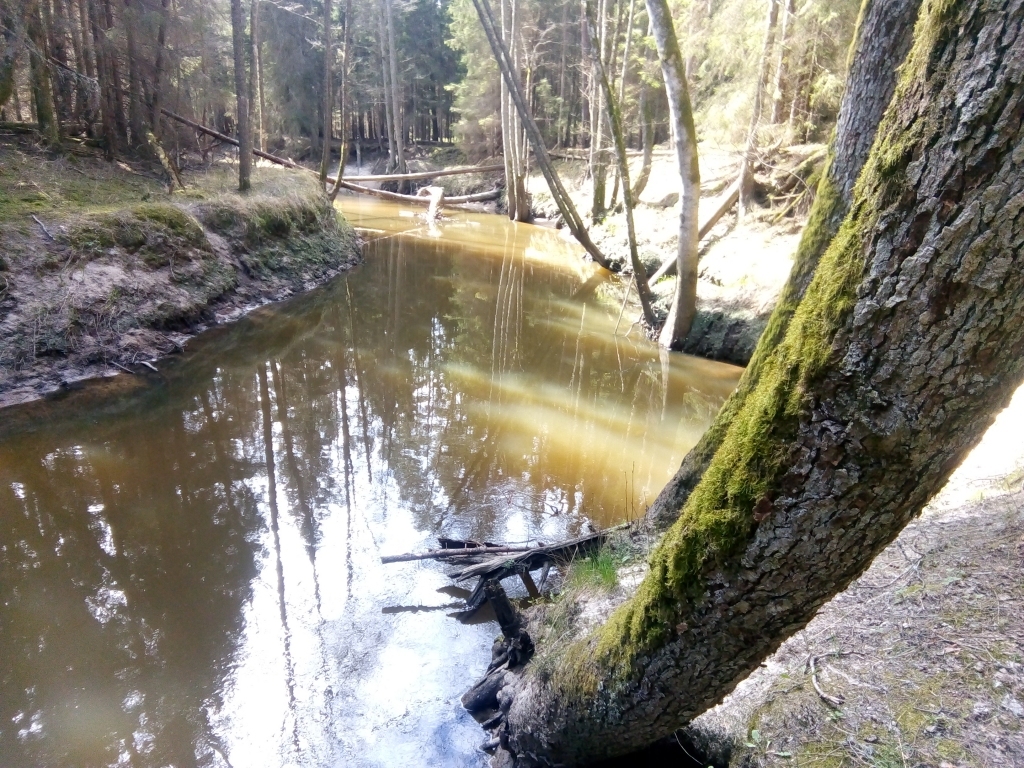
<point x="460" y="200"/>
<point x="424" y="175"/>
<point x="479" y="197"/>
<point x="725" y="202"/>
<point x="234" y="142"/>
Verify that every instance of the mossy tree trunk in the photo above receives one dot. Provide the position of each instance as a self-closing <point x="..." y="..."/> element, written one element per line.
<point x="884" y="34"/>
<point x="906" y="343"/>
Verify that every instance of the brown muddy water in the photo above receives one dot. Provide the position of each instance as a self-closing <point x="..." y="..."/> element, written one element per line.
<point x="190" y="573"/>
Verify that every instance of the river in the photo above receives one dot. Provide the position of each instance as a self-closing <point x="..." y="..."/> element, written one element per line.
<point x="190" y="573"/>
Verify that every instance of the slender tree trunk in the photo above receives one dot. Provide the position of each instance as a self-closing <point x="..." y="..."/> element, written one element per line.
<point x="115" y="72"/>
<point x="781" y="61"/>
<point x="396" y="93"/>
<point x="646" y="130"/>
<point x="325" y="157"/>
<point x="257" y="62"/>
<point x="598" y="157"/>
<point x="386" y="78"/>
<point x="9" y="60"/>
<point x="241" y="98"/>
<point x="746" y="167"/>
<point x="883" y="40"/>
<point x="60" y="34"/>
<point x="42" y="93"/>
<point x="135" y="106"/>
<point x="158" y="66"/>
<point x="673" y="68"/>
<point x="904" y="347"/>
<point x="105" y="78"/>
<point x="346" y="73"/>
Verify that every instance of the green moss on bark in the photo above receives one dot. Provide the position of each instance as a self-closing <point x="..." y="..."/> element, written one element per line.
<point x="718" y="519"/>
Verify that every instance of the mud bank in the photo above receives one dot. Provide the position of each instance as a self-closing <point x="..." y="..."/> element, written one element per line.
<point x="110" y="277"/>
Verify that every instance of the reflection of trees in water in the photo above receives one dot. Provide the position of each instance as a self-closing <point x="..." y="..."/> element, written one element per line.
<point x="122" y="604"/>
<point x="129" y="545"/>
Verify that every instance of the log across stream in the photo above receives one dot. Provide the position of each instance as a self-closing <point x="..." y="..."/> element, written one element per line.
<point x="196" y="568"/>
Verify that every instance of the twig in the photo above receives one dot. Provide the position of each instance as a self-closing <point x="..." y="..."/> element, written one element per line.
<point x="833" y="701"/>
<point x="150" y="366"/>
<point x="43" y="227"/>
<point x="124" y="368"/>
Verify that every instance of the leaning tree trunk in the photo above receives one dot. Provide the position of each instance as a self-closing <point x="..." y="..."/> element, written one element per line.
<point x="241" y="99"/>
<point x="907" y="342"/>
<point x="684" y="300"/>
<point x="565" y="205"/>
<point x="884" y="36"/>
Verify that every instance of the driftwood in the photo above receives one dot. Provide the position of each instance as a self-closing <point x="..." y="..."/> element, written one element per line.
<point x="725" y="202"/>
<point x="451" y="552"/>
<point x="511" y="650"/>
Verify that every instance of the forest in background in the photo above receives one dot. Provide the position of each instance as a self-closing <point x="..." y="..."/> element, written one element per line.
<point x="389" y="73"/>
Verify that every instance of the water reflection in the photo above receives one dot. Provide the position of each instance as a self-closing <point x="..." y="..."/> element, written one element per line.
<point x="190" y="575"/>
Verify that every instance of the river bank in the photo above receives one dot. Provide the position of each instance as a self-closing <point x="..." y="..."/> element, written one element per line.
<point x="102" y="272"/>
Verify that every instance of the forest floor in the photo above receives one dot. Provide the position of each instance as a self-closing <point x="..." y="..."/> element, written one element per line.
<point x="921" y="661"/>
<point x="102" y="272"/>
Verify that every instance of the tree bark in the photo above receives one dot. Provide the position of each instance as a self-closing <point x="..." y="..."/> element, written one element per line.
<point x="135" y="106"/>
<point x="59" y="36"/>
<point x="104" y="75"/>
<point x="9" y="60"/>
<point x="158" y="66"/>
<point x="345" y="74"/>
<point x="746" y="169"/>
<point x="684" y="300"/>
<point x="396" y="92"/>
<point x="906" y="344"/>
<point x="781" y="61"/>
<point x="328" y="106"/>
<point x="241" y="98"/>
<point x="42" y="92"/>
<point x="882" y="42"/>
